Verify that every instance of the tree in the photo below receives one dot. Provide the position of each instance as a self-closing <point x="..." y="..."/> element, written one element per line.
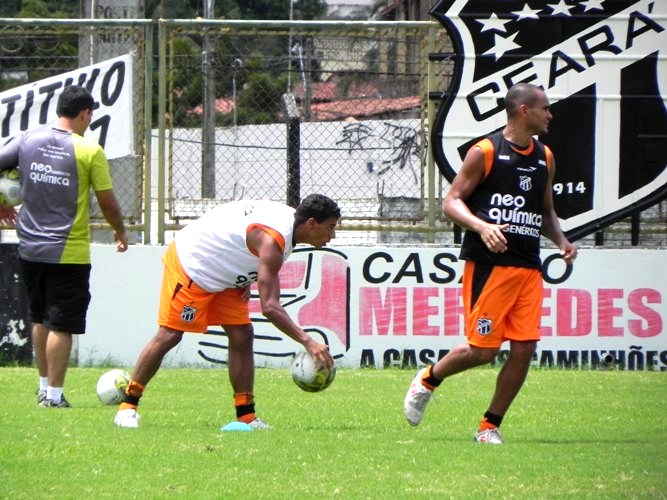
<point x="309" y="9"/>
<point x="9" y="8"/>
<point x="173" y="9"/>
<point x="45" y="9"/>
<point x="27" y="56"/>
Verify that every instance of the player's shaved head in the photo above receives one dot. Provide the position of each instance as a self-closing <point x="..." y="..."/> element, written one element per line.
<point x="521" y="93"/>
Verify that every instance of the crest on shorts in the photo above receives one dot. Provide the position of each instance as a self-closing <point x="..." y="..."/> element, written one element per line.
<point x="484" y="326"/>
<point x="188" y="313"/>
<point x="603" y="65"/>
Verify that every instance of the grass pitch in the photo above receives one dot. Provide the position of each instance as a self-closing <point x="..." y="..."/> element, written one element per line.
<point x="569" y="434"/>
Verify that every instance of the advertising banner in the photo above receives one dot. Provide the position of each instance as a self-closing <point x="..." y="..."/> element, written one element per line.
<point x="402" y="307"/>
<point x="111" y="83"/>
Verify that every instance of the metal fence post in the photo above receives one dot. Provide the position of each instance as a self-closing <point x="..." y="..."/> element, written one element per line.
<point x="148" y="133"/>
<point x="208" y="122"/>
<point x="162" y="112"/>
<point x="293" y="150"/>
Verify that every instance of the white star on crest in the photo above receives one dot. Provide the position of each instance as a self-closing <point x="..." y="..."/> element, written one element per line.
<point x="502" y="45"/>
<point x="526" y="13"/>
<point x="493" y="23"/>
<point x="592" y="4"/>
<point x="561" y="8"/>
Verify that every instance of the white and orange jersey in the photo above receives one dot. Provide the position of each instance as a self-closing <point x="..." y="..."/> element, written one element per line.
<point x="213" y="249"/>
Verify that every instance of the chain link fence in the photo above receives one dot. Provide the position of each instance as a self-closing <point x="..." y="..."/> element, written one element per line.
<point x="278" y="111"/>
<point x="32" y="51"/>
<point x="224" y="110"/>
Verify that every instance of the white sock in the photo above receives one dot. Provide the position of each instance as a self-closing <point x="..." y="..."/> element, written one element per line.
<point x="55" y="394"/>
<point x="43" y="383"/>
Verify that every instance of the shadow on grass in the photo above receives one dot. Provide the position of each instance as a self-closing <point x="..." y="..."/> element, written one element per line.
<point x="596" y="441"/>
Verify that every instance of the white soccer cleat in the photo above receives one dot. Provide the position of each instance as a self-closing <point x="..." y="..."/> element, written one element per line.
<point x="491" y="436"/>
<point x="416" y="399"/>
<point x="259" y="425"/>
<point x="128" y="418"/>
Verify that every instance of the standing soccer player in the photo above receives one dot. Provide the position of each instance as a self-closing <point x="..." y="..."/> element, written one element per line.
<point x="208" y="270"/>
<point x="57" y="168"/>
<point x="502" y="196"/>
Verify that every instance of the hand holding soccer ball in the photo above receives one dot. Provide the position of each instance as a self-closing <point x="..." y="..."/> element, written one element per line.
<point x="309" y="375"/>
<point x="10" y="188"/>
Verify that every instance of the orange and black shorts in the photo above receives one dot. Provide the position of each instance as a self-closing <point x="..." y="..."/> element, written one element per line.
<point x="501" y="303"/>
<point x="187" y="307"/>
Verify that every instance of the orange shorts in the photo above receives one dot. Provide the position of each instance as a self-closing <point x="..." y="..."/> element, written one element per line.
<point x="507" y="304"/>
<point x="187" y="307"/>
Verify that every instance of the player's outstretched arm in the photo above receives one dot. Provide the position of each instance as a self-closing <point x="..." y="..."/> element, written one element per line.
<point x="551" y="225"/>
<point x="112" y="213"/>
<point x="268" y="286"/>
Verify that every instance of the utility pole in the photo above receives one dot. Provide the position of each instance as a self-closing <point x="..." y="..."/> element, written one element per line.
<point x="208" y="125"/>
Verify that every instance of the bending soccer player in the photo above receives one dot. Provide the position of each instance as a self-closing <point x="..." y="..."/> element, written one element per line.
<point x="208" y="270"/>
<point x="502" y="197"/>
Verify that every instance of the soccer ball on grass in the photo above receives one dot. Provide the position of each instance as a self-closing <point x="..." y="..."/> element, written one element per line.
<point x="309" y="375"/>
<point x="10" y="188"/>
<point x="111" y="386"/>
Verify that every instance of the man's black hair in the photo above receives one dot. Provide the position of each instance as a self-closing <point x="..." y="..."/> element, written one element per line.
<point x="317" y="206"/>
<point x="73" y="100"/>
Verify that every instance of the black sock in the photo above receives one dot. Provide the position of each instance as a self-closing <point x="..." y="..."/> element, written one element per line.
<point x="493" y="419"/>
<point x="133" y="400"/>
<point x="430" y="378"/>
<point x="244" y="410"/>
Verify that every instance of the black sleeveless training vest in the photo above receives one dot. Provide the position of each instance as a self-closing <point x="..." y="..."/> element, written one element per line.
<point x="512" y="193"/>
